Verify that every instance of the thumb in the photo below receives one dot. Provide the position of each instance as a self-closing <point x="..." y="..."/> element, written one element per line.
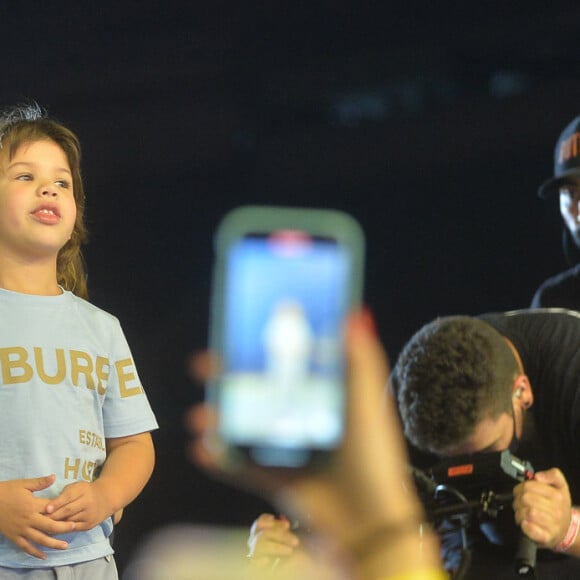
<point x="39" y="483"/>
<point x="553" y="477"/>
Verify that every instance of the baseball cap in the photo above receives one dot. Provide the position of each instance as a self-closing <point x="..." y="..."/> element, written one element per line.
<point x="566" y="160"/>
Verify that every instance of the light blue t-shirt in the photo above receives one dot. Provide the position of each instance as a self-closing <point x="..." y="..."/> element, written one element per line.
<point x="67" y="382"/>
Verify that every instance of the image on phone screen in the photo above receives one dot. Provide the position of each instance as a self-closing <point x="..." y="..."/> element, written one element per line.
<point x="286" y="296"/>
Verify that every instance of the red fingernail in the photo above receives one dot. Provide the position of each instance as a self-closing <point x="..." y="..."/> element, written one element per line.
<point x="363" y="321"/>
<point x="368" y="320"/>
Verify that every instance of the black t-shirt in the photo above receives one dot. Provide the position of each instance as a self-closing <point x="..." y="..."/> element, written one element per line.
<point x="562" y="290"/>
<point x="548" y="341"/>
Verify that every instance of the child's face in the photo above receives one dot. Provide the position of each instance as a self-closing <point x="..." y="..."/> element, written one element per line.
<point x="37" y="206"/>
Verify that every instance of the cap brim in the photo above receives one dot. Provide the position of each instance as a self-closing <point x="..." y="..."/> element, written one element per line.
<point x="551" y="186"/>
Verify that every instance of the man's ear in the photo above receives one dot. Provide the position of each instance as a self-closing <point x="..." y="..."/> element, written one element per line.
<point x="522" y="391"/>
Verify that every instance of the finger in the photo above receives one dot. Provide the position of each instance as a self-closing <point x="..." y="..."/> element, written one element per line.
<point x="39" y="483"/>
<point x="47" y="541"/>
<point x="69" y="513"/>
<point x="533" y="490"/>
<point x="528" y="500"/>
<point x="369" y="370"/>
<point x="200" y="418"/>
<point x="57" y="504"/>
<point x="535" y="532"/>
<point x="540" y="515"/>
<point x="263" y="521"/>
<point x="270" y="548"/>
<point x="35" y="538"/>
<point x="543" y="525"/>
<point x="261" y="562"/>
<point x="553" y="477"/>
<point x="542" y="496"/>
<point x="68" y="503"/>
<point x="208" y="452"/>
<point x="280" y="535"/>
<point x="204" y="449"/>
<point x="367" y="358"/>
<point x="198" y="454"/>
<point x="30" y="548"/>
<point x="272" y="541"/>
<point x="202" y="365"/>
<point x="367" y="366"/>
<point x="48" y="527"/>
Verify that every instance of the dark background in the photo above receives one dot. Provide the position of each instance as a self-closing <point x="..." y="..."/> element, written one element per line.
<point x="432" y="123"/>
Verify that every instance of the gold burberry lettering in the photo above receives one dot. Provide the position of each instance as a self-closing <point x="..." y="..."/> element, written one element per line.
<point x="91" y="439"/>
<point x="75" y="469"/>
<point x="15" y="369"/>
<point x="60" y="366"/>
<point x="126" y="376"/>
<point x="17" y="366"/>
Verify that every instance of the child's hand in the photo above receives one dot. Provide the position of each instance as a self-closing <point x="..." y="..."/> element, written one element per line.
<point x="23" y="520"/>
<point x="81" y="503"/>
<point x="271" y="538"/>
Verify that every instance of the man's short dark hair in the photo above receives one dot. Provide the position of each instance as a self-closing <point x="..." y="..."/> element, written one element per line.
<point x="454" y="372"/>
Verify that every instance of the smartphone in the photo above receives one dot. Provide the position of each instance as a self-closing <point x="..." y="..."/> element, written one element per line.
<point x="284" y="281"/>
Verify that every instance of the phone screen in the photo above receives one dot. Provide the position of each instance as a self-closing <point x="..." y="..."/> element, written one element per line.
<point x="282" y="395"/>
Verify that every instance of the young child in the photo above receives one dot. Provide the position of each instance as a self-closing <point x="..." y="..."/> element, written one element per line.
<point x="75" y="445"/>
